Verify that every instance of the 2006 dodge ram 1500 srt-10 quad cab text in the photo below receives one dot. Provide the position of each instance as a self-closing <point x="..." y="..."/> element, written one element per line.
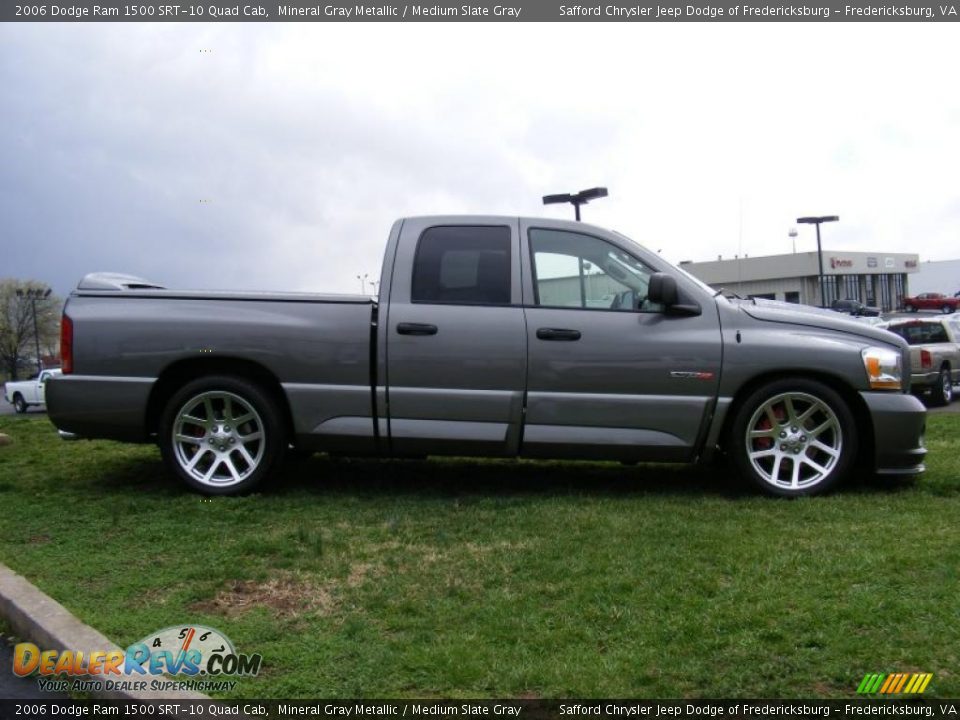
<point x="491" y="336"/>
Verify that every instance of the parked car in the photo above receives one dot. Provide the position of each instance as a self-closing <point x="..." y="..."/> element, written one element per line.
<point x="487" y="340"/>
<point x="931" y="301"/>
<point x="25" y="393"/>
<point x="855" y="307"/>
<point x="934" y="355"/>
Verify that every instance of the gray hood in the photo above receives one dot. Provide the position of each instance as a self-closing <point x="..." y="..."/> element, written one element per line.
<point x="791" y="314"/>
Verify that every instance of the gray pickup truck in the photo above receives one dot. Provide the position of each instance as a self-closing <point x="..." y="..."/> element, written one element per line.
<point x="491" y="336"/>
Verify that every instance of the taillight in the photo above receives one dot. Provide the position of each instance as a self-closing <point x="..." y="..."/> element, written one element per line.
<point x="66" y="345"/>
<point x="926" y="360"/>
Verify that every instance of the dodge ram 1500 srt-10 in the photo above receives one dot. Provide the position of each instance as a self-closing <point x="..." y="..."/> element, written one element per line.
<point x="491" y="336"/>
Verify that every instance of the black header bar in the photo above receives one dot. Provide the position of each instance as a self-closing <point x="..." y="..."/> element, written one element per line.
<point x="476" y="11"/>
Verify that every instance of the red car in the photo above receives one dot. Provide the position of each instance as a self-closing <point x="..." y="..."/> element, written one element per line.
<point x="931" y="301"/>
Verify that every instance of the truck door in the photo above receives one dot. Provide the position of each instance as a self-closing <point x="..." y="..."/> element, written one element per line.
<point x="455" y="338"/>
<point x="610" y="374"/>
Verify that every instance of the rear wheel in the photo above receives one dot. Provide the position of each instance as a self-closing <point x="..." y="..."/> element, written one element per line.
<point x="222" y="435"/>
<point x="794" y="437"/>
<point x="942" y="392"/>
<point x="19" y="404"/>
<point x="946" y="309"/>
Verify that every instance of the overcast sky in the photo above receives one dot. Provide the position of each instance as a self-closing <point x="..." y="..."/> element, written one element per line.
<point x="307" y="140"/>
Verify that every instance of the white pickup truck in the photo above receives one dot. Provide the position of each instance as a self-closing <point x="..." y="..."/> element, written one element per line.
<point x="25" y="393"/>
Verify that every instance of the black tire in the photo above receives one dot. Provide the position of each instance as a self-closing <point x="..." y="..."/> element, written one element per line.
<point x="19" y="404"/>
<point x="223" y="459"/>
<point x="910" y="308"/>
<point x="946" y="309"/>
<point x="942" y="392"/>
<point x="792" y="461"/>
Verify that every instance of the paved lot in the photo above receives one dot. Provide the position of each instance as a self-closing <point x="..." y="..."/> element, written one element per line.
<point x="17" y="688"/>
<point x="7" y="409"/>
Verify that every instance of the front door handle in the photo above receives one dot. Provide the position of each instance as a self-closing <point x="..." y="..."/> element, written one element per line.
<point x="558" y="334"/>
<point x="416" y="329"/>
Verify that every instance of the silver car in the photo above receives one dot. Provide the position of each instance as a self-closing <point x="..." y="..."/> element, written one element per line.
<point x="934" y="355"/>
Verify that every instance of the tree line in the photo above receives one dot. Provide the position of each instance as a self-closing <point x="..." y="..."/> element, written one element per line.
<point x="17" y="341"/>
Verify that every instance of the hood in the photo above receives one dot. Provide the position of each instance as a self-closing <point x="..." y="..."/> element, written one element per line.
<point x="792" y="314"/>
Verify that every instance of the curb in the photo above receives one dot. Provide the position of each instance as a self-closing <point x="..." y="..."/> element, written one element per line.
<point x="36" y="616"/>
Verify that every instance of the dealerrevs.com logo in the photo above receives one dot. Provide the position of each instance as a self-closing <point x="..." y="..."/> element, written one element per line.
<point x="182" y="651"/>
<point x="894" y="683"/>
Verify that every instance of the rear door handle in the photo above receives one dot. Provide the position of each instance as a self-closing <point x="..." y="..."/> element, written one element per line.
<point x="416" y="329"/>
<point x="558" y="334"/>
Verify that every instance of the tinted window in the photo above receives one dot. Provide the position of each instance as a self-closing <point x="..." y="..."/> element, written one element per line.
<point x="574" y="270"/>
<point x="468" y="265"/>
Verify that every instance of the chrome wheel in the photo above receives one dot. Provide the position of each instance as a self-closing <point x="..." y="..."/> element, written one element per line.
<point x="942" y="393"/>
<point x="794" y="441"/>
<point x="218" y="438"/>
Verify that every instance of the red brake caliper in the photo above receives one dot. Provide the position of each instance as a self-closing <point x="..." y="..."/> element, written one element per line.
<point x="764" y="424"/>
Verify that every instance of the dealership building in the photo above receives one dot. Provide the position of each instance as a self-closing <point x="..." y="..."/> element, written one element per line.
<point x="879" y="279"/>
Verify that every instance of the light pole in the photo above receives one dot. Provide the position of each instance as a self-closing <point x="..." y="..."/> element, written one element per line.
<point x="363" y="283"/>
<point x="817" y="220"/>
<point x="34" y="294"/>
<point x="576" y="199"/>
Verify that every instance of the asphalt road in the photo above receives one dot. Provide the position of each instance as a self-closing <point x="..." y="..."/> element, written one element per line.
<point x="7" y="409"/>
<point x="17" y="688"/>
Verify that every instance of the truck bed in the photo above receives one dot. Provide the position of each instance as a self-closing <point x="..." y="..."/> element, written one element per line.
<point x="130" y="345"/>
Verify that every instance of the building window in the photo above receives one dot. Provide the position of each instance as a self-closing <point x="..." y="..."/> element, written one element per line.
<point x="851" y="287"/>
<point x="899" y="282"/>
<point x="885" y="301"/>
<point x="792" y="297"/>
<point x="868" y="286"/>
<point x="829" y="290"/>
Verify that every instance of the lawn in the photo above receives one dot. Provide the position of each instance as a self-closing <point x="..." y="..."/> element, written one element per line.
<point x="462" y="578"/>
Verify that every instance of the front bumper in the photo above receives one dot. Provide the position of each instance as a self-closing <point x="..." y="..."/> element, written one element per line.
<point x="899" y="423"/>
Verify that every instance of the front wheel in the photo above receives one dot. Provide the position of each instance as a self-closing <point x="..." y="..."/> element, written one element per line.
<point x="910" y="308"/>
<point x="946" y="309"/>
<point x="19" y="404"/>
<point x="942" y="392"/>
<point x="222" y="435"/>
<point x="794" y="437"/>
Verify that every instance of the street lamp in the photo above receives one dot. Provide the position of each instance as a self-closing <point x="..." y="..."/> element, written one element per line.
<point x="817" y="220"/>
<point x="363" y="283"/>
<point x="576" y="199"/>
<point x="35" y="294"/>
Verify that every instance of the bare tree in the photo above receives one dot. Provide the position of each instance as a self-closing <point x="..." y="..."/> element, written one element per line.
<point x="17" y="343"/>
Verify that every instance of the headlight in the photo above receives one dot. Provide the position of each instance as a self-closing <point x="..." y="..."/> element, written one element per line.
<point x="883" y="368"/>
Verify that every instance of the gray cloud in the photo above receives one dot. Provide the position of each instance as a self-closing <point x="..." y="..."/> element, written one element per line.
<point x="308" y="141"/>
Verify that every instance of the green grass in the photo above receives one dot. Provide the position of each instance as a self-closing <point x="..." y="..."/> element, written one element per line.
<point x="468" y="578"/>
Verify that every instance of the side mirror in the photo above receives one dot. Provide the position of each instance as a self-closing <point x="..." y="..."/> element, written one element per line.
<point x="662" y="289"/>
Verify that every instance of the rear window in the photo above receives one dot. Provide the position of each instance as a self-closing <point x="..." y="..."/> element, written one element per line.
<point x="463" y="265"/>
<point x="921" y="333"/>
